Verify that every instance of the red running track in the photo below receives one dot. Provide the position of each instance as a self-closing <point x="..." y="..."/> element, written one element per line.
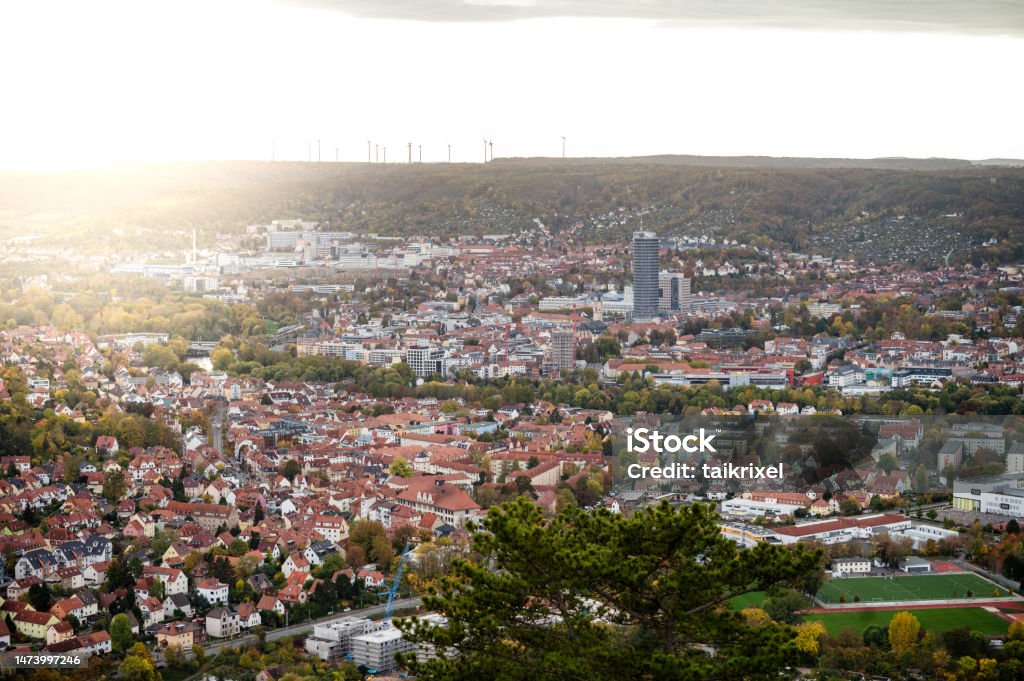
<point x="910" y="605"/>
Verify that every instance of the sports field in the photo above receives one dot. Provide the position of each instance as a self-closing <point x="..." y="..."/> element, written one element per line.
<point x="908" y="588"/>
<point x="931" y="619"/>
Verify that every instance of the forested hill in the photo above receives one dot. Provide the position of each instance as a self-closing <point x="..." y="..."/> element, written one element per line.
<point x="791" y="203"/>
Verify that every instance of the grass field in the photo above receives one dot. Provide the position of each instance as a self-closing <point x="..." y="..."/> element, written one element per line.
<point x="908" y="588"/>
<point x="932" y="619"/>
<point x="754" y="599"/>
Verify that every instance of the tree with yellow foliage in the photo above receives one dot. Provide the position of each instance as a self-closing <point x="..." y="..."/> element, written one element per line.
<point x="808" y="638"/>
<point x="903" y="631"/>
<point x="987" y="669"/>
<point x="756" y="617"/>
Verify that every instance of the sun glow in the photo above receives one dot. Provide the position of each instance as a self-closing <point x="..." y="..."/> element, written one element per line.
<point x="89" y="84"/>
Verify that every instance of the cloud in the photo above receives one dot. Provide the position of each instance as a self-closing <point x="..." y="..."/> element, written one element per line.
<point x="977" y="17"/>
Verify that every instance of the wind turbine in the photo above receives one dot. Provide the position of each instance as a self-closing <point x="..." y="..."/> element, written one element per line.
<point x="563" y="146"/>
<point x="368" y="157"/>
<point x="449" y="153"/>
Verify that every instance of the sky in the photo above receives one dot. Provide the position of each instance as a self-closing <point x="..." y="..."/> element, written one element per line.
<point x="88" y="84"/>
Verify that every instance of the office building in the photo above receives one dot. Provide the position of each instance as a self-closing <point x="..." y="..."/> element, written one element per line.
<point x="674" y="293"/>
<point x="1001" y="494"/>
<point x="332" y="640"/>
<point x="563" y="349"/>
<point x="1015" y="458"/>
<point x="645" y="276"/>
<point x="377" y="649"/>
<point x="426" y="362"/>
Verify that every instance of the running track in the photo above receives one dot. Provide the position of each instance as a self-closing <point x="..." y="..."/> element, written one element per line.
<point x="996" y="607"/>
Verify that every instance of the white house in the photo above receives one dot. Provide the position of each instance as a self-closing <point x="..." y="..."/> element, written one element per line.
<point x="175" y="581"/>
<point x="248" y="616"/>
<point x="96" y="643"/>
<point x="213" y="591"/>
<point x="296" y="562"/>
<point x="842" y="567"/>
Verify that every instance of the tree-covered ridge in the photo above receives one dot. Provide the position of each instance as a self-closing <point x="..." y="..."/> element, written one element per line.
<point x="778" y="206"/>
<point x="603" y="596"/>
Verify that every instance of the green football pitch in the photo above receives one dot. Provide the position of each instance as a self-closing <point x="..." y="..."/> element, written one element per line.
<point x="909" y="588"/>
<point x="931" y="619"/>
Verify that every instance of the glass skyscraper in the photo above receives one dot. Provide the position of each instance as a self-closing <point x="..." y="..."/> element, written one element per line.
<point x="645" y="276"/>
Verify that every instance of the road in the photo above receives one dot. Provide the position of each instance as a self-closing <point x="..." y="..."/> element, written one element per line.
<point x="305" y="627"/>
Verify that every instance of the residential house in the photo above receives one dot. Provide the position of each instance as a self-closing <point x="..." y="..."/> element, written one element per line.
<point x="269" y="603"/>
<point x="177" y="634"/>
<point x="213" y="591"/>
<point x="297" y="562"/>
<point x="175" y="581"/>
<point x="248" y="616"/>
<point x="61" y="631"/>
<point x="152" y="611"/>
<point x="222" y="623"/>
<point x="177" y="603"/>
<point x="33" y="624"/>
<point x="96" y="643"/>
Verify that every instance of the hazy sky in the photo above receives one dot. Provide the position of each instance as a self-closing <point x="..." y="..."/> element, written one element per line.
<point x="91" y="83"/>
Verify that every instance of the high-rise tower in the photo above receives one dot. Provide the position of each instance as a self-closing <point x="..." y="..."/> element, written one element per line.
<point x="645" y="276"/>
<point x="563" y="349"/>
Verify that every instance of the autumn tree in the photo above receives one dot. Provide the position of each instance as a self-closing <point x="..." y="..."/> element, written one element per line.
<point x="221" y="358"/>
<point x="400" y="467"/>
<point x="138" y="665"/>
<point x="114" y="485"/>
<point x="808" y="638"/>
<point x="903" y="630"/>
<point x="756" y="617"/>
<point x="290" y="469"/>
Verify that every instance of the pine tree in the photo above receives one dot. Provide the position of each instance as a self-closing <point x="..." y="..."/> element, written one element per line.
<point x="603" y="596"/>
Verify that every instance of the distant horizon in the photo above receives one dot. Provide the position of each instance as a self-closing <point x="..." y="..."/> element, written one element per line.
<point x="723" y="159"/>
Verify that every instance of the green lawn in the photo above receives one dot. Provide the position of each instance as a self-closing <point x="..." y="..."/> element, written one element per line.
<point x="754" y="599"/>
<point x="908" y="588"/>
<point x="932" y="619"/>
